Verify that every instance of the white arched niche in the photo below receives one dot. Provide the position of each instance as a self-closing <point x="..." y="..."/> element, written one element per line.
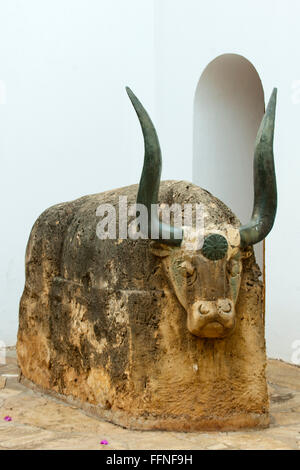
<point x="228" y="108"/>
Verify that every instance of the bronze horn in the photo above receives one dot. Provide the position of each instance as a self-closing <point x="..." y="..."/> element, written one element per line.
<point x="265" y="192"/>
<point x="150" y="179"/>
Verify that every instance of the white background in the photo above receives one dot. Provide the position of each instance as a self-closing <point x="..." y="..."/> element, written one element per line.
<point x="67" y="127"/>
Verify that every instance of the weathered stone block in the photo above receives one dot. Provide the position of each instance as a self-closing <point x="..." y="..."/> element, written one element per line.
<point x="150" y="335"/>
<point x="101" y="324"/>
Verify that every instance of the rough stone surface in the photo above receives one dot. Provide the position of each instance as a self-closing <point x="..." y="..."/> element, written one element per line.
<point x="42" y="422"/>
<point x="2" y="382"/>
<point x="101" y="327"/>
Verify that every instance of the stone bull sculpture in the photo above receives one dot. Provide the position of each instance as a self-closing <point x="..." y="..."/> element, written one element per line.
<point x="149" y="334"/>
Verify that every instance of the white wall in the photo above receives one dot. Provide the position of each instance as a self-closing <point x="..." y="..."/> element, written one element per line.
<point x="67" y="128"/>
<point x="189" y="35"/>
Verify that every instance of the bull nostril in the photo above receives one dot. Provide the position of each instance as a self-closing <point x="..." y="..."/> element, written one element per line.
<point x="225" y="307"/>
<point x="203" y="309"/>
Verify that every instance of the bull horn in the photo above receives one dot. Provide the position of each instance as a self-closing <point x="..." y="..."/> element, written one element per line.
<point x="150" y="179"/>
<point x="265" y="192"/>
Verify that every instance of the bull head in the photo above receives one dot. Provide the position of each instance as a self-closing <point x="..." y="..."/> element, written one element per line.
<point x="207" y="281"/>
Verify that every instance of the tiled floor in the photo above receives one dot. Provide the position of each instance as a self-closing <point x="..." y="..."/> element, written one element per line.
<point x="41" y="422"/>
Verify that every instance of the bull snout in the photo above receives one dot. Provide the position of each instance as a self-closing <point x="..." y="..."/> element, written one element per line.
<point x="211" y="319"/>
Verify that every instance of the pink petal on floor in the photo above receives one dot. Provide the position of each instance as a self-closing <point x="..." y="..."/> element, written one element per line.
<point x="7" y="418"/>
<point x="104" y="442"/>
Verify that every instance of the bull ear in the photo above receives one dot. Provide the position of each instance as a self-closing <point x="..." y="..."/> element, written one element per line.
<point x="160" y="250"/>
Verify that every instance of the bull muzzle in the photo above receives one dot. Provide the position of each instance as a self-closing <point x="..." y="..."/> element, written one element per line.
<point x="211" y="318"/>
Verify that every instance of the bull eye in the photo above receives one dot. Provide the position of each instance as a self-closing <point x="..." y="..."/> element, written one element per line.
<point x="190" y="272"/>
<point x="189" y="268"/>
<point x="215" y="247"/>
<point x="191" y="277"/>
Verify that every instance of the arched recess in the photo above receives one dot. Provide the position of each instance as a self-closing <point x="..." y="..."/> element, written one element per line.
<point x="228" y="108"/>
